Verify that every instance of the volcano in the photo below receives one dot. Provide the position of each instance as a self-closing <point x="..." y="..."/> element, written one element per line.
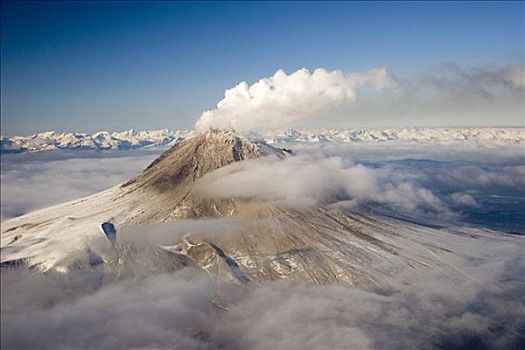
<point x="249" y="240"/>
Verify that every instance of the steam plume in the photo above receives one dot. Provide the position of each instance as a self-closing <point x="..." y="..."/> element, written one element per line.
<point x="282" y="100"/>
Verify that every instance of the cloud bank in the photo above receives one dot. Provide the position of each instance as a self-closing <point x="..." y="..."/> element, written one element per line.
<point x="417" y="184"/>
<point x="309" y="179"/>
<point x="30" y="182"/>
<point x="187" y="310"/>
<point x="282" y="100"/>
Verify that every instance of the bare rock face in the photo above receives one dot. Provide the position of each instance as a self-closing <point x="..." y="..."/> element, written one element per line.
<point x="165" y="190"/>
<point x="187" y="161"/>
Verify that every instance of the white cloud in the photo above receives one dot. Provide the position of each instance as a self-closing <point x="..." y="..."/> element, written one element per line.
<point x="413" y="181"/>
<point x="444" y="94"/>
<point x="186" y="309"/>
<point x="283" y="100"/>
<point x="463" y="199"/>
<point x="317" y="179"/>
<point x="33" y="181"/>
<point x="301" y="180"/>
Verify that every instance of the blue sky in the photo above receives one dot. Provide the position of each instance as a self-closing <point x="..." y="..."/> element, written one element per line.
<point x="92" y="66"/>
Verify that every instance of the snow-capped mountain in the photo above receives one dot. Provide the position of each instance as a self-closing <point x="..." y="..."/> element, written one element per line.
<point x="69" y="237"/>
<point x="437" y="135"/>
<point x="234" y="239"/>
<point x="164" y="138"/>
<point x="102" y="140"/>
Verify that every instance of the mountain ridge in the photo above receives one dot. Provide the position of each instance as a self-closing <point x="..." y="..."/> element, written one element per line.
<point x="164" y="138"/>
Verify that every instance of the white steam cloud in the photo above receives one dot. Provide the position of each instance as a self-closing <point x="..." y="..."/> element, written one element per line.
<point x="282" y="100"/>
<point x="441" y="94"/>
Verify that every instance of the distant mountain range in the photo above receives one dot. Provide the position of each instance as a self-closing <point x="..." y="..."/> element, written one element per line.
<point x="164" y="138"/>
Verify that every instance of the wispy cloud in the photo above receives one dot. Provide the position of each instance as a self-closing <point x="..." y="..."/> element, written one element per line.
<point x="485" y="81"/>
<point x="431" y="183"/>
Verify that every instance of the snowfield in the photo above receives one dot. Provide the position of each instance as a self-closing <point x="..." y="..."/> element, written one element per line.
<point x="164" y="138"/>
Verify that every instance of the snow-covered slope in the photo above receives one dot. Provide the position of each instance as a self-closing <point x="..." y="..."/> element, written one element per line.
<point x="67" y="236"/>
<point x="165" y="138"/>
<point x="234" y="239"/>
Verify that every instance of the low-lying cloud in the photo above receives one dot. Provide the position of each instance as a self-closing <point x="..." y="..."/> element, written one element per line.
<point x="30" y="182"/>
<point x="283" y="100"/>
<point x="169" y="234"/>
<point x="320" y="180"/>
<point x="187" y="310"/>
<point x="420" y="188"/>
